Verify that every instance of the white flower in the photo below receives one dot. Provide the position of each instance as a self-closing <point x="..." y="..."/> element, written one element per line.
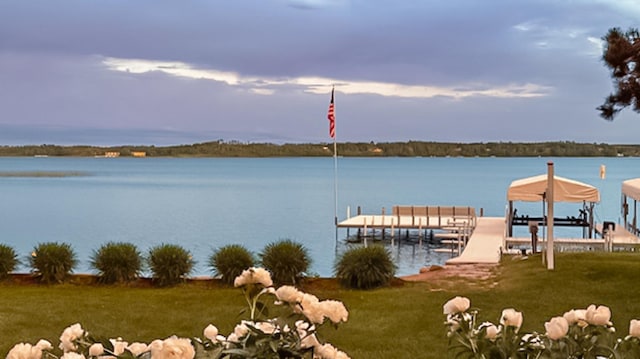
<point x="289" y="294"/>
<point x="137" y="348"/>
<point x="311" y="308"/>
<point x="600" y="315"/>
<point x="72" y="355"/>
<point x="118" y="346"/>
<point x="253" y="276"/>
<point x="173" y="348"/>
<point x="491" y="331"/>
<point x="334" y="310"/>
<point x="309" y="341"/>
<point x="211" y="332"/>
<point x="456" y="305"/>
<point x="44" y="345"/>
<point x="69" y="335"/>
<point x="556" y="328"/>
<point x="326" y="351"/>
<point x="96" y="349"/>
<point x="576" y="316"/>
<point x="156" y="345"/>
<point x="24" y="351"/>
<point x="634" y="328"/>
<point x="266" y="327"/>
<point x="240" y="330"/>
<point x="511" y="318"/>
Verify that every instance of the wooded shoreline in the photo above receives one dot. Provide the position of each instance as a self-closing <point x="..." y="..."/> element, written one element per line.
<point x="346" y="149"/>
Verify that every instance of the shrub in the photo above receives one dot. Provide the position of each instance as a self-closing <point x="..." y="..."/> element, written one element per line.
<point x="53" y="261"/>
<point x="169" y="264"/>
<point x="117" y="262"/>
<point x="286" y="260"/>
<point x="365" y="267"/>
<point x="8" y="260"/>
<point x="229" y="261"/>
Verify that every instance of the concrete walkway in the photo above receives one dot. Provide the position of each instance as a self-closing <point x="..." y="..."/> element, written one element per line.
<point x="485" y="243"/>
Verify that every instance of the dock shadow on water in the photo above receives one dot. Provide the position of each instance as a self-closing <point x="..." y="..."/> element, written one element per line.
<point x="410" y="250"/>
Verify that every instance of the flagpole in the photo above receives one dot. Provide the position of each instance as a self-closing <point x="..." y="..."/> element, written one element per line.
<point x="335" y="185"/>
<point x="331" y="116"/>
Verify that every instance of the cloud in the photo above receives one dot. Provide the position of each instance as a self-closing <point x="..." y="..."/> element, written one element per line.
<point x="319" y="85"/>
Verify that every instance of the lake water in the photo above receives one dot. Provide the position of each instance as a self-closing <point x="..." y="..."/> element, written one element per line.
<point x="204" y="203"/>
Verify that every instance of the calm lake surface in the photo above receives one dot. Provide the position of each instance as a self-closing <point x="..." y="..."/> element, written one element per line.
<point x="203" y="204"/>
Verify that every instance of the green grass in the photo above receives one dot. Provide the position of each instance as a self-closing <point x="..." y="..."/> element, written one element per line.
<point x="393" y="322"/>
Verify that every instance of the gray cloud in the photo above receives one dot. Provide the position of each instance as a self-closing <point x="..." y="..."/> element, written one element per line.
<point x="52" y="73"/>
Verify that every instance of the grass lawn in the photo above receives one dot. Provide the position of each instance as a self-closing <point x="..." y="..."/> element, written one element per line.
<point x="396" y="322"/>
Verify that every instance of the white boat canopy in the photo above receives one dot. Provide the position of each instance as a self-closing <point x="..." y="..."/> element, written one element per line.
<point x="532" y="189"/>
<point x="631" y="188"/>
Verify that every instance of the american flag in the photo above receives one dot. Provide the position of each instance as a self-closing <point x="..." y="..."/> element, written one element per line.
<point x="332" y="118"/>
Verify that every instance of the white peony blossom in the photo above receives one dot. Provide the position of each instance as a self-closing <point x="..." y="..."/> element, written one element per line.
<point x="137" y="348"/>
<point x="266" y="327"/>
<point x="598" y="315"/>
<point x="511" y="318"/>
<point x="69" y="335"/>
<point x="253" y="276"/>
<point x="456" y="305"/>
<point x="119" y="346"/>
<point x="491" y="331"/>
<point x="72" y="355"/>
<point x="311" y="308"/>
<point x="44" y="345"/>
<point x="557" y="328"/>
<point x="96" y="349"/>
<point x="576" y="316"/>
<point x="211" y="332"/>
<point x="173" y="348"/>
<point x="334" y="310"/>
<point x="24" y="351"/>
<point x="326" y="351"/>
<point x="634" y="328"/>
<point x="289" y="294"/>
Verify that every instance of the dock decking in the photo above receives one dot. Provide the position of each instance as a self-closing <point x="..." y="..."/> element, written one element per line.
<point x="485" y="244"/>
<point x="414" y="217"/>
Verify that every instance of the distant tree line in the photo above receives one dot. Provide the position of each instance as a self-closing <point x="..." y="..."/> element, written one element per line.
<point x="349" y="149"/>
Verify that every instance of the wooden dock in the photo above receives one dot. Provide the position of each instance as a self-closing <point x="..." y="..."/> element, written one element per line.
<point x="414" y="217"/>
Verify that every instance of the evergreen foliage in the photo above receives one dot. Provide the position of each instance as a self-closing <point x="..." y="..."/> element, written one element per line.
<point x="622" y="57"/>
<point x="347" y="149"/>
<point x="169" y="264"/>
<point x="229" y="261"/>
<point x="52" y="261"/>
<point x="117" y="262"/>
<point x="287" y="260"/>
<point x="8" y="260"/>
<point x="365" y="267"/>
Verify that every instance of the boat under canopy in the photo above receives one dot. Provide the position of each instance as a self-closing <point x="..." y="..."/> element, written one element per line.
<point x="533" y="189"/>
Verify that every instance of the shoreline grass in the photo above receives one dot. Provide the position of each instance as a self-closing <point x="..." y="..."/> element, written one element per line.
<point x="394" y="322"/>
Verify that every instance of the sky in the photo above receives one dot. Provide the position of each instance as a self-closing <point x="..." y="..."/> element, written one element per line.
<point x="159" y="72"/>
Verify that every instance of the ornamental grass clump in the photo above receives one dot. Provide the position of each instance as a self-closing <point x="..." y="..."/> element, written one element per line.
<point x="288" y="261"/>
<point x="229" y="261"/>
<point x="169" y="264"/>
<point x="365" y="267"/>
<point x="117" y="262"/>
<point x="293" y="334"/>
<point x="579" y="333"/>
<point x="8" y="261"/>
<point x="53" y="262"/>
